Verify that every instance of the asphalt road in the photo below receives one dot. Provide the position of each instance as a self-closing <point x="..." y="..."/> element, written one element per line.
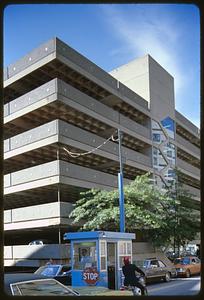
<point x="177" y="286"/>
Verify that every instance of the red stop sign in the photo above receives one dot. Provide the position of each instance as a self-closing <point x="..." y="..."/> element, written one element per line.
<point x="90" y="275"/>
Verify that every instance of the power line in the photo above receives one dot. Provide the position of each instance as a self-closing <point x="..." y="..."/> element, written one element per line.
<point x="77" y="154"/>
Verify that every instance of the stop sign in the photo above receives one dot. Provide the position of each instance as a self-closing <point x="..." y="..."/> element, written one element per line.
<point x="90" y="275"/>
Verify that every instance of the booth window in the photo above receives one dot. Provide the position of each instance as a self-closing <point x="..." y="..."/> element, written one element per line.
<point x="125" y="250"/>
<point x="103" y="255"/>
<point x="84" y="255"/>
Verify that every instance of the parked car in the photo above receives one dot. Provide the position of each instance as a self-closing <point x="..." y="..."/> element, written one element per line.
<point x="60" y="272"/>
<point x="156" y="269"/>
<point x="29" y="284"/>
<point x="187" y="266"/>
<point x="40" y="242"/>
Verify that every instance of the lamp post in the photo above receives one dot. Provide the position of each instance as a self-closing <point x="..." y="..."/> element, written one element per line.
<point x="120" y="185"/>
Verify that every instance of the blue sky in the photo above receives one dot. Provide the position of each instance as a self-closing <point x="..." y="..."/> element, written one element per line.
<point x="114" y="34"/>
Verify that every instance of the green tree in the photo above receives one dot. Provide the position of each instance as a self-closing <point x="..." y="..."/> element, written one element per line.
<point x="147" y="208"/>
<point x="182" y="223"/>
<point x="187" y="218"/>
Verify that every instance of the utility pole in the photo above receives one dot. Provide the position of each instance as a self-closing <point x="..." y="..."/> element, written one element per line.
<point x="120" y="185"/>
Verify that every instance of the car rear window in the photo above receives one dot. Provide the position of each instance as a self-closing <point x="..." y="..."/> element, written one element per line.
<point x="141" y="263"/>
<point x="183" y="261"/>
<point x="48" y="270"/>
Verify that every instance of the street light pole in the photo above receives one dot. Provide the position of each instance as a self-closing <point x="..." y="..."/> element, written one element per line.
<point x="120" y="185"/>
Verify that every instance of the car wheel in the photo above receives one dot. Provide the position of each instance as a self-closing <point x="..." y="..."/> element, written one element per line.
<point x="188" y="273"/>
<point x="167" y="277"/>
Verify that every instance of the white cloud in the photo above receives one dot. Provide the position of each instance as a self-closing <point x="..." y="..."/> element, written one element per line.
<point x="143" y="33"/>
<point x="148" y="29"/>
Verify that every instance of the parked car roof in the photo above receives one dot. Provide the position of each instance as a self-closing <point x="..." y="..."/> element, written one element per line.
<point x="33" y="284"/>
<point x="185" y="259"/>
<point x="17" y="277"/>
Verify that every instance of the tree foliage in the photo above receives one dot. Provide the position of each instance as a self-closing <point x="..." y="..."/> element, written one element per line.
<point x="146" y="208"/>
<point x="182" y="222"/>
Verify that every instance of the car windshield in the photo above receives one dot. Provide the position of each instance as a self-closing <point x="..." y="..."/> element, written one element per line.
<point x="48" y="270"/>
<point x="182" y="261"/>
<point x="40" y="287"/>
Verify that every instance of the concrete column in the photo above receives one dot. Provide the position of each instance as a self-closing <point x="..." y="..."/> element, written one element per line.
<point x="59" y="236"/>
<point x="58" y="199"/>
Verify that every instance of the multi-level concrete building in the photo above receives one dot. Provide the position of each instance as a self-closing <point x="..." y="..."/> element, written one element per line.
<point x="55" y="101"/>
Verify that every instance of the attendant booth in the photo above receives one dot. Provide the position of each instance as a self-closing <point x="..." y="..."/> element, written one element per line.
<point x="97" y="257"/>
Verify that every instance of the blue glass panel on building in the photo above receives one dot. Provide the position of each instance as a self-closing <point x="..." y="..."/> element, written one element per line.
<point x="169" y="125"/>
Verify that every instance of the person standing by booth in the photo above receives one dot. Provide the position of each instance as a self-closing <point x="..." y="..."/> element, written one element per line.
<point x="86" y="260"/>
<point x="129" y="271"/>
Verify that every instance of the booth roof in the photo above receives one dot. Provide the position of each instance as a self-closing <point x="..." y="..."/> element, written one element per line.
<point x="99" y="235"/>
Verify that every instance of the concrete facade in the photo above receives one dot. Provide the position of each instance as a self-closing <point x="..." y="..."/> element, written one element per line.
<point x="148" y="79"/>
<point x="56" y="99"/>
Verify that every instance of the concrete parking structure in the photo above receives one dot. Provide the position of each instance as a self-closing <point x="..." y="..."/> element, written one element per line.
<point x="55" y="100"/>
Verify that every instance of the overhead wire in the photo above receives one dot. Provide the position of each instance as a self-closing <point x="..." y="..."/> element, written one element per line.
<point x="77" y="154"/>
